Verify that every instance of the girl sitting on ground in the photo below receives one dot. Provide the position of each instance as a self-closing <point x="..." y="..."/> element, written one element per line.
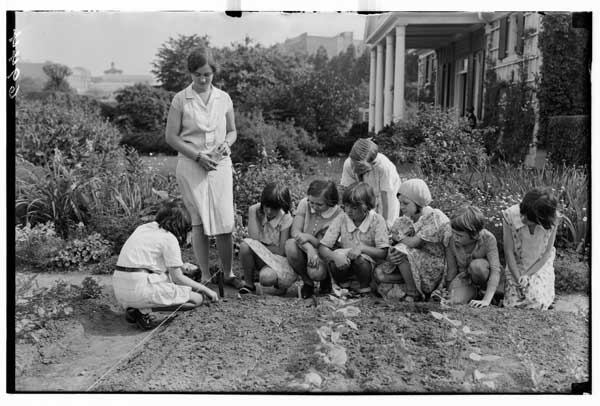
<point x="269" y="224"/>
<point x="529" y="234"/>
<point x="472" y="259"/>
<point x="313" y="216"/>
<point x="362" y="235"/>
<point x="421" y="235"/>
<point x="149" y="272"/>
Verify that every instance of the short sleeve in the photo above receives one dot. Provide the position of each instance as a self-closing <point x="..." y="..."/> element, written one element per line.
<point x="348" y="176"/>
<point x="381" y="233"/>
<point x="171" y="252"/>
<point x="333" y="232"/>
<point x="229" y="102"/>
<point x="491" y="249"/>
<point x="302" y="207"/>
<point x="386" y="173"/>
<point x="177" y="103"/>
<point x="286" y="221"/>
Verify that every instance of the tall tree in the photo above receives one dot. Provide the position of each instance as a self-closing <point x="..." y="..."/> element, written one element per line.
<point x="57" y="77"/>
<point x="170" y="66"/>
<point x="320" y="59"/>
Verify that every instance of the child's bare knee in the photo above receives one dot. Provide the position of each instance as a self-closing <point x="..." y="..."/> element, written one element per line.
<point x="291" y="248"/>
<point x="479" y="269"/>
<point x="245" y="249"/>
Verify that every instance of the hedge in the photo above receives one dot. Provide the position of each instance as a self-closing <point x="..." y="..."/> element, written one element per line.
<point x="569" y="139"/>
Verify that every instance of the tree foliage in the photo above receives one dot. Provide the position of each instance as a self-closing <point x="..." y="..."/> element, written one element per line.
<point x="142" y="107"/>
<point x="57" y="77"/>
<point x="170" y="66"/>
<point x="565" y="86"/>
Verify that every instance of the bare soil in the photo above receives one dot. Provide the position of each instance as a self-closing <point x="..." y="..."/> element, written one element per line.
<point x="285" y="344"/>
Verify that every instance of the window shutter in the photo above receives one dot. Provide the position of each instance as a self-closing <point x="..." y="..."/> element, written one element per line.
<point x="520" y="21"/>
<point x="502" y="39"/>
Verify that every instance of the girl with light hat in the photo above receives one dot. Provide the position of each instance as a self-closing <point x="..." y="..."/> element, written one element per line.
<point x="421" y="234"/>
<point x="366" y="164"/>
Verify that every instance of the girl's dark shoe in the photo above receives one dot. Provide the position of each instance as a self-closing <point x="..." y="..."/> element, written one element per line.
<point x="325" y="286"/>
<point x="132" y="314"/>
<point x="307" y="291"/>
<point x="147" y="321"/>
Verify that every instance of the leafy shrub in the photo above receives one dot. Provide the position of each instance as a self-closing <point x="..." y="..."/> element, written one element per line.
<point x="56" y="194"/>
<point x="148" y="142"/>
<point x="115" y="229"/>
<point x="36" y="245"/>
<point x="70" y="124"/>
<point x="568" y="140"/>
<point x="447" y="147"/>
<point x="79" y="252"/>
<point x="571" y="274"/>
<point x="397" y="141"/>
<point x="256" y="138"/>
<point x="142" y="107"/>
<point x="103" y="267"/>
<point x="90" y="289"/>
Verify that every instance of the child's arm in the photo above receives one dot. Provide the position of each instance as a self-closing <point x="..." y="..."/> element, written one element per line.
<point x="509" y="254"/>
<point x="494" y="277"/>
<point x="179" y="278"/>
<point x="374" y="252"/>
<point x="451" y="265"/>
<point x="384" y="205"/>
<point x="540" y="262"/>
<point x="253" y="226"/>
<point x="304" y="239"/>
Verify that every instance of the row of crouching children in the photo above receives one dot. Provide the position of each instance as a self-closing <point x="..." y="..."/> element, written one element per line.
<point x="424" y="255"/>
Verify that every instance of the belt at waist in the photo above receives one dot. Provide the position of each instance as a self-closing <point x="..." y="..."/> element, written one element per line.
<point x="125" y="269"/>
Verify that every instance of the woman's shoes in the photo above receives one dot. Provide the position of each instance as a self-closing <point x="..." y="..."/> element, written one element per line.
<point x="132" y="314"/>
<point x="244" y="290"/>
<point x="234" y="282"/>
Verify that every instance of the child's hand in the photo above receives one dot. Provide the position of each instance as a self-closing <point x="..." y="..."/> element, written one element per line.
<point x="354" y="253"/>
<point x="523" y="281"/>
<point x="313" y="258"/>
<point x="212" y="295"/>
<point x="395" y="256"/>
<point x="479" y="303"/>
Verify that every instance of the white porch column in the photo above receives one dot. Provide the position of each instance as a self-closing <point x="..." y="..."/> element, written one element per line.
<point x="399" y="73"/>
<point x="389" y="79"/>
<point x="373" y="72"/>
<point x="379" y="90"/>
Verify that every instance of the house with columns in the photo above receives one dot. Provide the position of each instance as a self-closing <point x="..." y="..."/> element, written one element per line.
<point x="455" y="50"/>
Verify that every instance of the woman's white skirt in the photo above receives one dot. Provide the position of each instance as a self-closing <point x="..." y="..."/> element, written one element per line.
<point x="142" y="290"/>
<point x="207" y="195"/>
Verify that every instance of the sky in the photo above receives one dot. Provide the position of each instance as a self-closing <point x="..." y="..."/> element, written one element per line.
<point x="131" y="39"/>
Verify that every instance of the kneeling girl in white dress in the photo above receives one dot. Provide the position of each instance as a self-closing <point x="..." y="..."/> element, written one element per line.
<point x="149" y="272"/>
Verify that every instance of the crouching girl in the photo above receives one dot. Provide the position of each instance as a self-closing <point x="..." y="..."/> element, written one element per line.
<point x="472" y="260"/>
<point x="362" y="235"/>
<point x="149" y="274"/>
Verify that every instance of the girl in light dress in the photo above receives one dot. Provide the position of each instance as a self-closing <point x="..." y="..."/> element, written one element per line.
<point x="529" y="234"/>
<point x="263" y="252"/>
<point x="312" y="218"/>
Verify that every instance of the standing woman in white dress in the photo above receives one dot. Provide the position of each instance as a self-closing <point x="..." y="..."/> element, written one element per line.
<point x="201" y="127"/>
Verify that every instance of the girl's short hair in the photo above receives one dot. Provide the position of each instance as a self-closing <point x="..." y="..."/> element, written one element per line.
<point x="359" y="194"/>
<point x="200" y="56"/>
<point x="468" y="219"/>
<point x="539" y="206"/>
<point x="174" y="218"/>
<point x="276" y="196"/>
<point x="325" y="188"/>
<point x="364" y="150"/>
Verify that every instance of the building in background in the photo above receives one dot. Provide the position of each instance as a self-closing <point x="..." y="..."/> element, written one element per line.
<point x="455" y="49"/>
<point x="309" y="44"/>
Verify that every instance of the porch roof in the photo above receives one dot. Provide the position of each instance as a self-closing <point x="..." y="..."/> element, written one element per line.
<point x="425" y="29"/>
